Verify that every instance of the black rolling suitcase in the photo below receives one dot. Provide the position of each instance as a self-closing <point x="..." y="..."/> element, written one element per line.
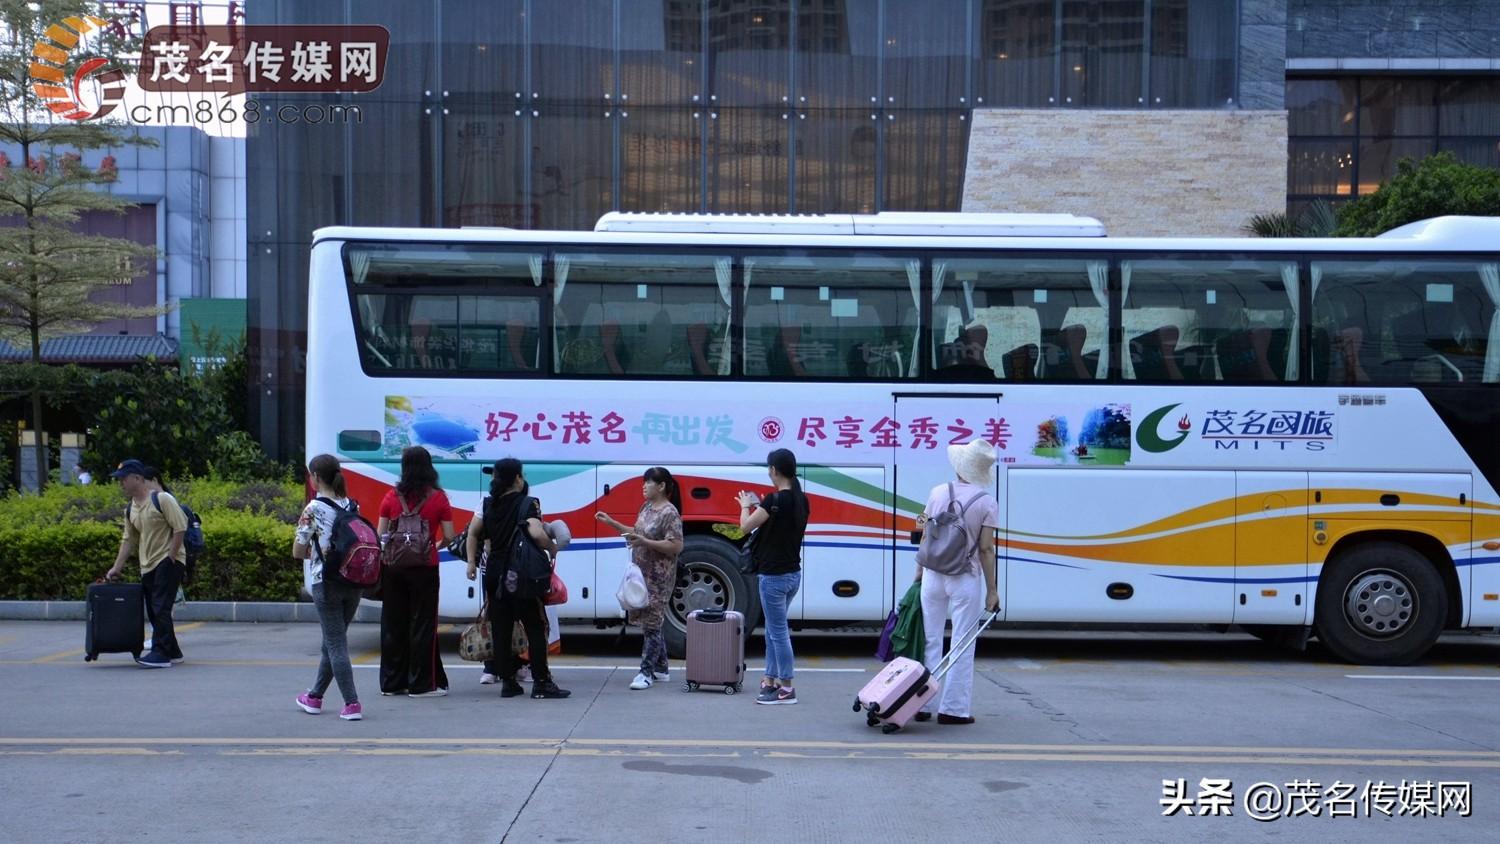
<point x="116" y="618"/>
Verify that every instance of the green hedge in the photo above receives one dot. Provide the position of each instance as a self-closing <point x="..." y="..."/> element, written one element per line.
<point x="53" y="545"/>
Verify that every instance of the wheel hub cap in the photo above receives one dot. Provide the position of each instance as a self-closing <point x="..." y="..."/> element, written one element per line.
<point x="698" y="589"/>
<point x="1380" y="604"/>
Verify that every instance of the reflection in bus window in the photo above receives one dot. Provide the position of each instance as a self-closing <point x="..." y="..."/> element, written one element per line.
<point x="1219" y="320"/>
<point x="1405" y="322"/>
<point x="847" y="317"/>
<point x="464" y="333"/>
<point x="1019" y="320"/>
<point x="641" y="314"/>
<point x="447" y="307"/>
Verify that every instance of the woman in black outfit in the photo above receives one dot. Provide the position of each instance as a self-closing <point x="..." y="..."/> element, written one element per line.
<point x="508" y="506"/>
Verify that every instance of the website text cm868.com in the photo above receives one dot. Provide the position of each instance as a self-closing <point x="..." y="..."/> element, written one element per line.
<point x="205" y="111"/>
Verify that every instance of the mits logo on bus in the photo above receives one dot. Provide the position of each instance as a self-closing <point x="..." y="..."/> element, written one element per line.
<point x="1164" y="429"/>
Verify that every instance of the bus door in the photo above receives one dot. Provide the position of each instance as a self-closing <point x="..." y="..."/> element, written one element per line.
<point x="1270" y="541"/>
<point x="929" y="424"/>
<point x="1119" y="545"/>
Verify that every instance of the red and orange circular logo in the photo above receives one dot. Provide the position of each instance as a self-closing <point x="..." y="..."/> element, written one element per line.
<point x="49" y="76"/>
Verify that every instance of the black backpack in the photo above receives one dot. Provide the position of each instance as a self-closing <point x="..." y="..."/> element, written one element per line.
<point x="529" y="569"/>
<point x="193" y="545"/>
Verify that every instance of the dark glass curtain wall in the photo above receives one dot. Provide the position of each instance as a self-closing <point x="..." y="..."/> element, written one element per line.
<point x="1348" y="133"/>
<point x="547" y="114"/>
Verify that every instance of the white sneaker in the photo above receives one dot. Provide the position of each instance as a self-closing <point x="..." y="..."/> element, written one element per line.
<point x="641" y="681"/>
<point x="662" y="677"/>
<point x="488" y="679"/>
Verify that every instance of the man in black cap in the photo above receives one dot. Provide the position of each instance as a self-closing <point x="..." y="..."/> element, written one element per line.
<point x="155" y="527"/>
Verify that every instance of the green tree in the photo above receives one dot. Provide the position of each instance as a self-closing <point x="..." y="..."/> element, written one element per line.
<point x="1436" y="186"/>
<point x="50" y="275"/>
<point x="1317" y="220"/>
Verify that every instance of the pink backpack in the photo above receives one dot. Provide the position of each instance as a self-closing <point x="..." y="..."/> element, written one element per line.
<point x="353" y="547"/>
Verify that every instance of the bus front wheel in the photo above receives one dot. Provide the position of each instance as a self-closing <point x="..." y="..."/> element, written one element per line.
<point x="1380" y="603"/>
<point x="708" y="578"/>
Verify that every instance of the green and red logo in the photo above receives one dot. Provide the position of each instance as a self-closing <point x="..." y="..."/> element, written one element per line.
<point x="1148" y="435"/>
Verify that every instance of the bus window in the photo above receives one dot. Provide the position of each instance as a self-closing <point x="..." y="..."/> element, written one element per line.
<point x="618" y="314"/>
<point x="446" y="307"/>
<point x="1217" y="320"/>
<point x="847" y="317"/>
<point x="1405" y="322"/>
<point x="1019" y="319"/>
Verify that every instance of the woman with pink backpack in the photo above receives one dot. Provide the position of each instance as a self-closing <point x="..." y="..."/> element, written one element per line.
<point x="336" y="599"/>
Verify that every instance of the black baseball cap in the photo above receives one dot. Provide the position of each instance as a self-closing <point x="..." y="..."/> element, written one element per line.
<point x="130" y="467"/>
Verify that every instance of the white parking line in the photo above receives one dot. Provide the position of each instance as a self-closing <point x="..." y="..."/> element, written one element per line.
<point x="1416" y="677"/>
<point x="563" y="666"/>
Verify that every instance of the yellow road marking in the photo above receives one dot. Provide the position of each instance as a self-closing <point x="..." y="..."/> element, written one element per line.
<point x="874" y="750"/>
<point x="43" y="660"/>
<point x="877" y="744"/>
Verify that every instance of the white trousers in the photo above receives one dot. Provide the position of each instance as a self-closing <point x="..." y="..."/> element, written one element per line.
<point x="961" y="598"/>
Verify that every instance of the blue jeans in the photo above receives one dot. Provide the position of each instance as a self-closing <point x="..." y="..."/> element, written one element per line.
<point x="776" y="592"/>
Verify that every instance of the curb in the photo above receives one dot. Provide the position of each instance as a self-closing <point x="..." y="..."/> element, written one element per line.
<point x="257" y="612"/>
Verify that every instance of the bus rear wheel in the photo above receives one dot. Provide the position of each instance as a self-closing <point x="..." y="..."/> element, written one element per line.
<point x="1380" y="603"/>
<point x="708" y="578"/>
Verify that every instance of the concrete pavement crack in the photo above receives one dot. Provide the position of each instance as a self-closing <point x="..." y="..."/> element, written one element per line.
<point x="1042" y="706"/>
<point x="1387" y="715"/>
<point x="556" y="753"/>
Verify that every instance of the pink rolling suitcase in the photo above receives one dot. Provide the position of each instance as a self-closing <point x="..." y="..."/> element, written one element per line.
<point x="904" y="686"/>
<point x="715" y="650"/>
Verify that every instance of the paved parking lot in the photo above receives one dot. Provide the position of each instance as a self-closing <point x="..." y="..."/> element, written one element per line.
<point x="1075" y="735"/>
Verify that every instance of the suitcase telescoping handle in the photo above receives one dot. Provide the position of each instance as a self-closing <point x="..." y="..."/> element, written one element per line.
<point x="710" y="616"/>
<point x="963" y="643"/>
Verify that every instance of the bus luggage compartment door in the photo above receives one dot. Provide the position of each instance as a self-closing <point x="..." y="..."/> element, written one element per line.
<point x="1119" y="545"/>
<point x="846" y="553"/>
<point x="1270" y="562"/>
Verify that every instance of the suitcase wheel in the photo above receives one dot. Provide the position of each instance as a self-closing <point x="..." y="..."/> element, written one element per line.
<point x="871" y="721"/>
<point x="856" y="704"/>
<point x="89" y="657"/>
<point x="889" y="728"/>
<point x="690" y="686"/>
<point x="731" y="689"/>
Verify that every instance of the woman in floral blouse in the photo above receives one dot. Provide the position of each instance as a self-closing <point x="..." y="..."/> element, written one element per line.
<point x="654" y="542"/>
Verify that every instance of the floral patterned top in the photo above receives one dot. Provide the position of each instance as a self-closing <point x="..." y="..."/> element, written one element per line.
<point x="655" y="522"/>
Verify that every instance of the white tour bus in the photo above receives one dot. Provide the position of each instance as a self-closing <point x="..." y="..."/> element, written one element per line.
<point x="1295" y="436"/>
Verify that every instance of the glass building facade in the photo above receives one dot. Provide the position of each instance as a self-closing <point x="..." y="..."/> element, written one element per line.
<point x="1348" y="133"/>
<point x="543" y="114"/>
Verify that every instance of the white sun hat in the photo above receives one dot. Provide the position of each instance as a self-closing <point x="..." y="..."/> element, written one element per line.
<point x="974" y="462"/>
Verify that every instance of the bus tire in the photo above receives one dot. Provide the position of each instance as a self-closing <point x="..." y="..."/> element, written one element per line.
<point x="1380" y="603"/>
<point x="708" y="577"/>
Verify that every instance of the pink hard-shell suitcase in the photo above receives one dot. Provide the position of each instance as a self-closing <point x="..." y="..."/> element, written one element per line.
<point x="715" y="650"/>
<point x="895" y="696"/>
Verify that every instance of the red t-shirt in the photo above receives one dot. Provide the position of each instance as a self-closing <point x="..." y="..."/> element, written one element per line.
<point x="436" y="511"/>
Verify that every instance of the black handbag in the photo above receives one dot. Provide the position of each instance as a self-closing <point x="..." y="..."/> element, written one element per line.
<point x="747" y="563"/>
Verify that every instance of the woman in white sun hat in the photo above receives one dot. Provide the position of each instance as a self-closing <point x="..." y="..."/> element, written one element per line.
<point x="959" y="595"/>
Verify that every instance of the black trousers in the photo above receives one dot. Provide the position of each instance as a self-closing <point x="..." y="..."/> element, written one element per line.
<point x="409" y="660"/>
<point x="505" y="611"/>
<point x="159" y="588"/>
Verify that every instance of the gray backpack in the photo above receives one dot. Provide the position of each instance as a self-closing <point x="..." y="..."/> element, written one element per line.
<point x="946" y="543"/>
